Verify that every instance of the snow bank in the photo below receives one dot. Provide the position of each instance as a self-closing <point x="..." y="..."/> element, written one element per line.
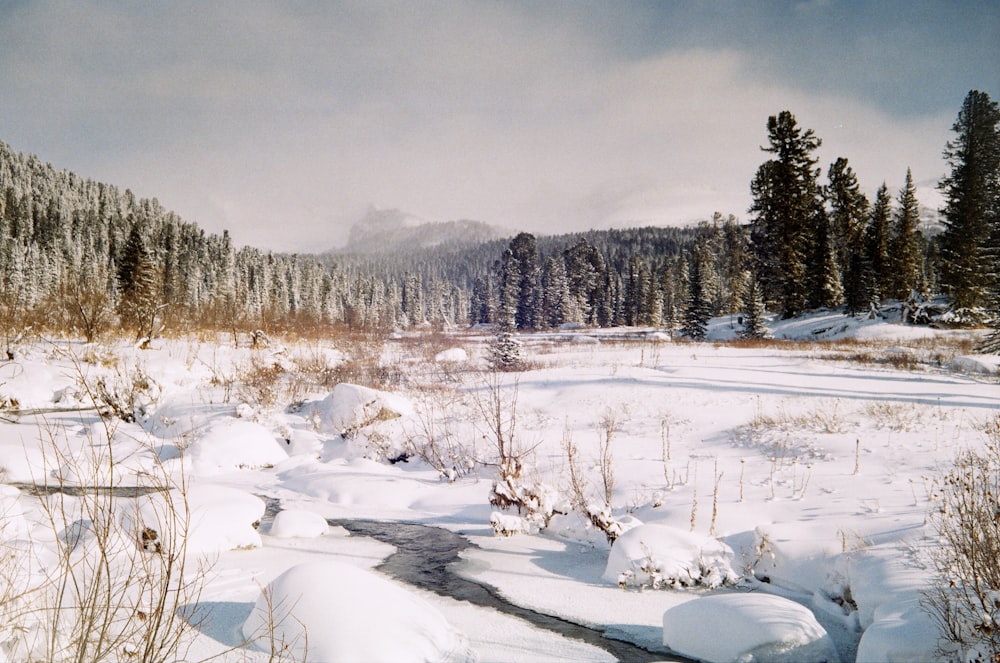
<point x="451" y="355"/>
<point x="330" y="611"/>
<point x="746" y="628"/>
<point x="658" y="554"/>
<point x="231" y="444"/>
<point x="350" y="407"/>
<point x="298" y="523"/>
<point x="988" y="364"/>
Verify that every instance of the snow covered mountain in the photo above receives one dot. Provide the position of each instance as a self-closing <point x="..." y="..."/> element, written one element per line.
<point x="392" y="230"/>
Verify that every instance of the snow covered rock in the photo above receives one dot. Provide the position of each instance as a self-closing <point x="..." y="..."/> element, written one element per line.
<point x="298" y="523"/>
<point x="218" y="519"/>
<point x="746" y="628"/>
<point x="232" y="444"/>
<point x="350" y="407"/>
<point x="658" y="555"/>
<point x="329" y="611"/>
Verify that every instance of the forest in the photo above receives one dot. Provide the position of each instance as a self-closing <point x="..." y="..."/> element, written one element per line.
<point x="86" y="257"/>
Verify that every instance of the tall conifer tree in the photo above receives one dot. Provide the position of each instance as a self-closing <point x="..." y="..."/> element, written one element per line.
<point x="970" y="242"/>
<point x="877" y="247"/>
<point x="784" y="200"/>
<point x="848" y="211"/>
<point x="905" y="254"/>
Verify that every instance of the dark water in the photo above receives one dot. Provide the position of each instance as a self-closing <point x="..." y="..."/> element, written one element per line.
<point x="41" y="490"/>
<point x="424" y="556"/>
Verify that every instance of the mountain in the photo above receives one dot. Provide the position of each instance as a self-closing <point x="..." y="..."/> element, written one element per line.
<point x="383" y="231"/>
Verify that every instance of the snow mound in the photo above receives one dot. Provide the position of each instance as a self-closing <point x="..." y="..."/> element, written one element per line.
<point x="988" y="364"/>
<point x="330" y="611"/>
<point x="350" y="407"/>
<point x="902" y="630"/>
<point x="231" y="444"/>
<point x="298" y="523"/>
<point x="451" y="355"/>
<point x="746" y="628"/>
<point x="660" y="555"/>
<point x="218" y="519"/>
<point x="27" y="385"/>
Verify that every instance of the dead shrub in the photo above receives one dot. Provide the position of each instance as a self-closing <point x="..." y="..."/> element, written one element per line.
<point x="964" y="599"/>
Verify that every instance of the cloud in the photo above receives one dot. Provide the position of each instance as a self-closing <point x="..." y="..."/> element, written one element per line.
<point x="283" y="122"/>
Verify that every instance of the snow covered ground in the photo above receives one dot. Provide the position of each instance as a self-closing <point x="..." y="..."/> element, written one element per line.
<point x="772" y="498"/>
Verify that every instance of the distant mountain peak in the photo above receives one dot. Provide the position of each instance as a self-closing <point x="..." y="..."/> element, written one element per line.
<point x="391" y="230"/>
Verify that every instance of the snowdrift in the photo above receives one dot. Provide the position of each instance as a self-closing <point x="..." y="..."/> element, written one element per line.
<point x="331" y="612"/>
<point x="747" y="628"/>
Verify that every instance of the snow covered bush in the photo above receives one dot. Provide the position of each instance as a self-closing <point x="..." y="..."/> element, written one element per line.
<point x="126" y="393"/>
<point x="505" y="353"/>
<point x="535" y="501"/>
<point x="965" y="597"/>
<point x="659" y="556"/>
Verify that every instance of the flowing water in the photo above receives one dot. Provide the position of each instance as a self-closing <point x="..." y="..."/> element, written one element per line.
<point x="424" y="558"/>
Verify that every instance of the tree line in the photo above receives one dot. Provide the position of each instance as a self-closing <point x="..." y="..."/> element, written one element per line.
<point x="810" y="244"/>
<point x="84" y="256"/>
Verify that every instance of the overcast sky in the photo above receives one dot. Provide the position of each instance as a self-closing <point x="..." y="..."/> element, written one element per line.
<point x="283" y="121"/>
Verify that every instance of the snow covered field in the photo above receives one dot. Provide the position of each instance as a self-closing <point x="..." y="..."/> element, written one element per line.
<point x="791" y="479"/>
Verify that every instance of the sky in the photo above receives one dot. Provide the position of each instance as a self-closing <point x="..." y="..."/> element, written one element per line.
<point x="285" y="122"/>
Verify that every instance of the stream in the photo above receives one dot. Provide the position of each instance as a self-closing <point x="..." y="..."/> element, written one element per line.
<point x="424" y="557"/>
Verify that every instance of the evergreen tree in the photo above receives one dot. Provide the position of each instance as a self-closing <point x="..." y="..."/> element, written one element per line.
<point x="510" y="279"/>
<point x="848" y="213"/>
<point x="905" y="250"/>
<point x="784" y="200"/>
<point x="137" y="279"/>
<point x="524" y="251"/>
<point x="971" y="239"/>
<point x="753" y="310"/>
<point x="586" y="273"/>
<point x="697" y="310"/>
<point x="877" y="247"/>
<point x="735" y="261"/>
<point x="555" y="292"/>
<point x="480" y="307"/>
<point x="504" y="351"/>
<point x="825" y="289"/>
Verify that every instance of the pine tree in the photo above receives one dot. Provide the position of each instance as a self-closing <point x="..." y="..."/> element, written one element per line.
<point x="137" y="279"/>
<point x="753" y="310"/>
<point x="524" y="251"/>
<point x="504" y="350"/>
<point x="510" y="279"/>
<point x="697" y="310"/>
<point x="971" y="239"/>
<point x="848" y="212"/>
<point x="784" y="199"/>
<point x="480" y="308"/>
<point x="825" y="289"/>
<point x="904" y="248"/>
<point x="555" y="292"/>
<point x="877" y="248"/>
